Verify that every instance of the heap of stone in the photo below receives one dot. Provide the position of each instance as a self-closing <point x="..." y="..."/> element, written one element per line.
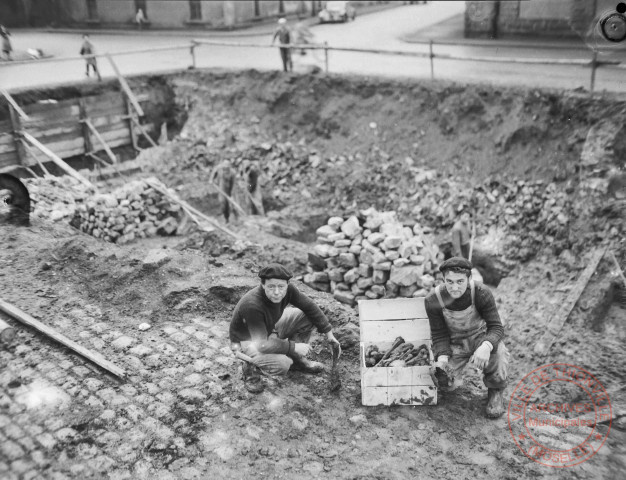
<point x="374" y="256"/>
<point x="135" y="210"/>
<point x="55" y="198"/>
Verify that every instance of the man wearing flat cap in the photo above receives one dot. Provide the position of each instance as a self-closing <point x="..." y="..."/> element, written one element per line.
<point x="466" y="328"/>
<point x="274" y="335"/>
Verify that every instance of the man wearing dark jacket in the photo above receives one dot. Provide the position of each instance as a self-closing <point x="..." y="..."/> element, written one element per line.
<point x="284" y="38"/>
<point x="275" y="336"/>
<point x="466" y="328"/>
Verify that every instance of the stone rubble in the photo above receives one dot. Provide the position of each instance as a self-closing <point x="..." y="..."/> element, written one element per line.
<point x="373" y="257"/>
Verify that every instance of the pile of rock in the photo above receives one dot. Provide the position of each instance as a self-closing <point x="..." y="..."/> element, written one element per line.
<point x="372" y="256"/>
<point x="55" y="198"/>
<point x="135" y="210"/>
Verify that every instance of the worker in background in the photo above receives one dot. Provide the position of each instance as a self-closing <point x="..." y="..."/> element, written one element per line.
<point x="87" y="50"/>
<point x="466" y="328"/>
<point x="140" y="18"/>
<point x="274" y="335"/>
<point x="462" y="235"/>
<point x="284" y="38"/>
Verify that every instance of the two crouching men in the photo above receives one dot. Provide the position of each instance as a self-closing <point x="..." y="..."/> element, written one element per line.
<point x="274" y="335"/>
<point x="466" y="328"/>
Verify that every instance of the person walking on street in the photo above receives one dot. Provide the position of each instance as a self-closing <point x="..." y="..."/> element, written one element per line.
<point x="284" y="38"/>
<point x="88" y="51"/>
<point x="276" y="336"/>
<point x="6" y="42"/>
<point x="466" y="328"/>
<point x="140" y="18"/>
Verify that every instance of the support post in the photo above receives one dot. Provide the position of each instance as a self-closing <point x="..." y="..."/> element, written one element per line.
<point x="57" y="160"/>
<point x="326" y="56"/>
<point x="104" y="144"/>
<point x="129" y="113"/>
<point x="594" y="66"/>
<point x="14" y="104"/>
<point x="129" y="93"/>
<point x="16" y="125"/>
<point x="85" y="129"/>
<point x="193" y="54"/>
<point x="432" y="61"/>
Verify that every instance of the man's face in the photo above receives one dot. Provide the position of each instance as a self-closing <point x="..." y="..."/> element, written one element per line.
<point x="275" y="289"/>
<point x="456" y="284"/>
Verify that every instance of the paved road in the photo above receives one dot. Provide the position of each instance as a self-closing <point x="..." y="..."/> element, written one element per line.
<point x="382" y="30"/>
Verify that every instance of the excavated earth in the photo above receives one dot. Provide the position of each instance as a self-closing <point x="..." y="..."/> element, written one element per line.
<point x="182" y="411"/>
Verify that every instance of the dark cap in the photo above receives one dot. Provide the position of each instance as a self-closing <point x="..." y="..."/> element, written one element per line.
<point x="456" y="262"/>
<point x="275" y="270"/>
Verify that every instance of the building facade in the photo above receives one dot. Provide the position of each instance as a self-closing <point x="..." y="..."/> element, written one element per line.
<point x="180" y="13"/>
<point x="542" y="18"/>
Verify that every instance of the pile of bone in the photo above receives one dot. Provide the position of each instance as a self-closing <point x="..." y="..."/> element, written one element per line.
<point x="135" y="210"/>
<point x="372" y="256"/>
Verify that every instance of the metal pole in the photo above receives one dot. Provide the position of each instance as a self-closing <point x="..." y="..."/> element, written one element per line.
<point x="193" y="55"/>
<point x="594" y="63"/>
<point x="326" y="55"/>
<point x="432" y="65"/>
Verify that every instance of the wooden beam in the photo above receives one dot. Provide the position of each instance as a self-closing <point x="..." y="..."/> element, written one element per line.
<point x="57" y="160"/>
<point x="143" y="132"/>
<point x="14" y="104"/>
<point x="26" y="319"/>
<point x="229" y="199"/>
<point x="104" y="144"/>
<point x="129" y="116"/>
<point x="88" y="147"/>
<point x="193" y="211"/>
<point x="16" y="125"/>
<point x="555" y="325"/>
<point x="126" y="87"/>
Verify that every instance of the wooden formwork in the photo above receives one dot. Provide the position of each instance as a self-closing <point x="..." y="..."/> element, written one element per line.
<point x="62" y="127"/>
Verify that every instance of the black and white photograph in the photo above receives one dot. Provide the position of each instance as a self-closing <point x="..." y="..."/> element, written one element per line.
<point x="310" y="239"/>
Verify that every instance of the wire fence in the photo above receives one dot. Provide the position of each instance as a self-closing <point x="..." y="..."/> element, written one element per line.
<point x="593" y="63"/>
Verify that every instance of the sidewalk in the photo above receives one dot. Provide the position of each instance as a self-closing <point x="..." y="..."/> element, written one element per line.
<point x="451" y="31"/>
<point x="259" y="28"/>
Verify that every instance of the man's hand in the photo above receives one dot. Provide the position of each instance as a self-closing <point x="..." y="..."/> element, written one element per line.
<point x="442" y="361"/>
<point x="331" y="338"/>
<point x="481" y="355"/>
<point x="302" y="349"/>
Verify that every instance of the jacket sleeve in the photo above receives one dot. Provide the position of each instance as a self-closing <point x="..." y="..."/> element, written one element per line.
<point x="486" y="306"/>
<point x="310" y="309"/>
<point x="438" y="329"/>
<point x="255" y="322"/>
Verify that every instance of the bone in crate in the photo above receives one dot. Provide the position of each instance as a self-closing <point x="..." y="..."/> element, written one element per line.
<point x="400" y="354"/>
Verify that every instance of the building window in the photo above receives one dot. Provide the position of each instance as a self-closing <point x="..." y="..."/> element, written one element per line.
<point x="92" y="9"/>
<point x="195" y="10"/>
<point x="141" y="4"/>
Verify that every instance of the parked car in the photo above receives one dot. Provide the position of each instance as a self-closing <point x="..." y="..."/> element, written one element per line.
<point x="337" y="12"/>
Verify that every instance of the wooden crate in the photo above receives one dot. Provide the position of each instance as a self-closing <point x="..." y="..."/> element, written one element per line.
<point x="381" y="322"/>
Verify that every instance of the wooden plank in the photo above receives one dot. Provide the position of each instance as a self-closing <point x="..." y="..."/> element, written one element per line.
<point x="9" y="147"/>
<point x="191" y="211"/>
<point x="416" y="330"/>
<point x="374" y="396"/>
<point x="126" y="87"/>
<point x="35" y="109"/>
<point x="103" y="143"/>
<point x="14" y="104"/>
<point x="8" y="159"/>
<point x="555" y="325"/>
<point x="392" y="309"/>
<point x="55" y="133"/>
<point x="144" y="133"/>
<point x="95" y="357"/>
<point x="57" y="160"/>
<point x="16" y="126"/>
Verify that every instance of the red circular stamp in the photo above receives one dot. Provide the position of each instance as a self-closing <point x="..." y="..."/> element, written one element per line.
<point x="554" y="413"/>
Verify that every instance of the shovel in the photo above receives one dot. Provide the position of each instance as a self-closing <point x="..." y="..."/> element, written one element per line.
<point x="335" y="381"/>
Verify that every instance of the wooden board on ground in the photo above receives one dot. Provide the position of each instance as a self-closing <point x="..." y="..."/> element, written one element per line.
<point x="381" y="322"/>
<point x="555" y="325"/>
<point x="26" y="319"/>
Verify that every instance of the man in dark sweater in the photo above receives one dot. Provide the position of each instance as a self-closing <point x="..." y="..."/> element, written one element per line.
<point x="275" y="336"/>
<point x="466" y="328"/>
<point x="284" y="38"/>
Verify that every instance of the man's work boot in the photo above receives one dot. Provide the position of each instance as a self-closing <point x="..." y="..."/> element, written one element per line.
<point x="495" y="403"/>
<point x="305" y="365"/>
<point x="252" y="378"/>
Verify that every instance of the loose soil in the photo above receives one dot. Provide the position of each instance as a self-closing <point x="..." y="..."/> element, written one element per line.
<point x="183" y="411"/>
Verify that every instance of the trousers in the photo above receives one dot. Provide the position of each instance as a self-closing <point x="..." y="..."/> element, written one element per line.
<point x="293" y="325"/>
<point x="494" y="374"/>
